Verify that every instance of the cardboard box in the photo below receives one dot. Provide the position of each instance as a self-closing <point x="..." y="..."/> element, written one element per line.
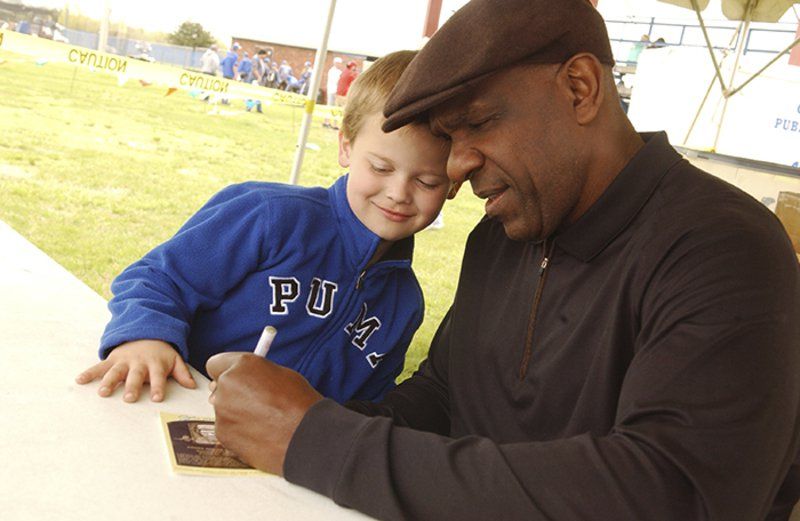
<point x="788" y="211"/>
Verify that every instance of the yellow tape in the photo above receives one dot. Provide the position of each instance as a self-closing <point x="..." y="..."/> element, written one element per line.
<point x="309" y="106"/>
<point x="150" y="73"/>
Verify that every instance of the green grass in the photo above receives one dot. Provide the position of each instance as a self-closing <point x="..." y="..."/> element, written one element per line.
<point x="96" y="174"/>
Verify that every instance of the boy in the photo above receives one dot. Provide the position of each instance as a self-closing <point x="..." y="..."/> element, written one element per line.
<point x="329" y="268"/>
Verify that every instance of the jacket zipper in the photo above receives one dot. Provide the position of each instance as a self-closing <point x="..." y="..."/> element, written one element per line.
<point x="360" y="279"/>
<point x="526" y="355"/>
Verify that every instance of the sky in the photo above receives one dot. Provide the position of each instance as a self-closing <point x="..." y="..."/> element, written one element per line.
<point x="372" y="27"/>
<point x="369" y="27"/>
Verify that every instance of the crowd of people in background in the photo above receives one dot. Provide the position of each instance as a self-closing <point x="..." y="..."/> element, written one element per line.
<point x="41" y="27"/>
<point x="266" y="70"/>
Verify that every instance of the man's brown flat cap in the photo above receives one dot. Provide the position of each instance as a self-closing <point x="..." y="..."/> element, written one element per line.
<point x="485" y="36"/>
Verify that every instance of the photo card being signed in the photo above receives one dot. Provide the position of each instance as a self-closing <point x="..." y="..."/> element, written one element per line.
<point x="193" y="448"/>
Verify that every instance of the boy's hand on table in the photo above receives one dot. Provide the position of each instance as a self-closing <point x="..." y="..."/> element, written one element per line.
<point x="135" y="363"/>
<point x="258" y="407"/>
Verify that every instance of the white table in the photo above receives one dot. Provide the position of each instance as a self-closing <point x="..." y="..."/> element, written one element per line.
<point x="68" y="454"/>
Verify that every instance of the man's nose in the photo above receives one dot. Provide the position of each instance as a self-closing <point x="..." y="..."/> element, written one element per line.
<point x="463" y="162"/>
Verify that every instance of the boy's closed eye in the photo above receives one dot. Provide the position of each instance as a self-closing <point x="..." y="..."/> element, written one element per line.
<point x="431" y="182"/>
<point x="380" y="169"/>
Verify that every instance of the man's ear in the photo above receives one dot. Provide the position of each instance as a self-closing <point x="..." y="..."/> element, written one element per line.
<point x="344" y="150"/>
<point x="585" y="75"/>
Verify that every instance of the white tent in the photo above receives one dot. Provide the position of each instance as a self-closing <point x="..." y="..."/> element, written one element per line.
<point x="746" y="11"/>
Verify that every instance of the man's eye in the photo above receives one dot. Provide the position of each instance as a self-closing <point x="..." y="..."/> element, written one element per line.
<point x="478" y="124"/>
<point x="379" y="169"/>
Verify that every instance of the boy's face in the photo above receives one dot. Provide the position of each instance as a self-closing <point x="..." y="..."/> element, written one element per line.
<point x="397" y="182"/>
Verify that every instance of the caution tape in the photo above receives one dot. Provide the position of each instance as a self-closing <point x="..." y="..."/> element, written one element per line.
<point x="147" y="73"/>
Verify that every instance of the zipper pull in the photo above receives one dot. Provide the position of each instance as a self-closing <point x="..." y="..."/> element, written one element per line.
<point x="543" y="266"/>
<point x="548" y="250"/>
<point x="360" y="279"/>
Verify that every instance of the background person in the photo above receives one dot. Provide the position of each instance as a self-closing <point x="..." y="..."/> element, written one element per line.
<point x="260" y="67"/>
<point x="347" y="78"/>
<point x="229" y="66"/>
<point x="333" y="80"/>
<point x="331" y="84"/>
<point x="209" y="62"/>
<point x="284" y="73"/>
<point x="245" y="70"/>
<point x="230" y="62"/>
<point x="305" y="78"/>
<point x="624" y="341"/>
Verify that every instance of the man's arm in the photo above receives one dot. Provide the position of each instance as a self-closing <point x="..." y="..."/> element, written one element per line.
<point x="706" y="426"/>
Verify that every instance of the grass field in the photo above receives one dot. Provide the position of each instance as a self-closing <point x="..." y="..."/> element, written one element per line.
<point x="96" y="173"/>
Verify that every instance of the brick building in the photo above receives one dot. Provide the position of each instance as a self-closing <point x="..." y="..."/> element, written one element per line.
<point x="297" y="56"/>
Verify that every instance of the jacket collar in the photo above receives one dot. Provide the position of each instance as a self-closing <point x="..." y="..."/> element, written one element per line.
<point x="621" y="201"/>
<point x="359" y="240"/>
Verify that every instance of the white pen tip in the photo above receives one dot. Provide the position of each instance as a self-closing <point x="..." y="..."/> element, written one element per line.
<point x="264" y="343"/>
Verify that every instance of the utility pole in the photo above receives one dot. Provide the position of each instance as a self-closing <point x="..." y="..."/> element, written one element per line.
<point x="102" y="41"/>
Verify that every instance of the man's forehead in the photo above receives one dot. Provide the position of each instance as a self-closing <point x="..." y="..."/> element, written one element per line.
<point x="457" y="110"/>
<point x="482" y="97"/>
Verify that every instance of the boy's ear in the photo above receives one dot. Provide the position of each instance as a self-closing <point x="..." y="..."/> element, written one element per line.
<point x="453" y="189"/>
<point x="344" y="151"/>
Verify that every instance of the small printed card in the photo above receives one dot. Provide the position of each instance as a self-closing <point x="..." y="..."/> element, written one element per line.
<point x="193" y="448"/>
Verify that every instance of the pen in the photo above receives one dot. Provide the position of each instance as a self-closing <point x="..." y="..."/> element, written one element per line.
<point x="267" y="336"/>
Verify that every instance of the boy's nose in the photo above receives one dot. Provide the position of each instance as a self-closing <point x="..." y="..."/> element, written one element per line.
<point x="399" y="190"/>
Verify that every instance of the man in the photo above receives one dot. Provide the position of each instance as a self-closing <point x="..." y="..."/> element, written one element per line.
<point x="245" y="68"/>
<point x="334" y="73"/>
<point x="229" y="66"/>
<point x="333" y="80"/>
<point x="304" y="82"/>
<point x="284" y="73"/>
<point x="347" y="78"/>
<point x="209" y="62"/>
<point x="230" y="62"/>
<point x="624" y="341"/>
<point x="260" y="66"/>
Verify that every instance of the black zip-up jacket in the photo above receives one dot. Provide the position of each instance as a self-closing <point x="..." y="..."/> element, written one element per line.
<point x="642" y="364"/>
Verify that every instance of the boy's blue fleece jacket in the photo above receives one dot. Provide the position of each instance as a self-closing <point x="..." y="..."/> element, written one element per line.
<point x="261" y="254"/>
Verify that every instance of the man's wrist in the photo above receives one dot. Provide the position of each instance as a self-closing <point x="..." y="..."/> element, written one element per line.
<point x="320" y="446"/>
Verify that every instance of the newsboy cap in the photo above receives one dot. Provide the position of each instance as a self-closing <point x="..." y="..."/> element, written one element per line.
<point x="485" y="36"/>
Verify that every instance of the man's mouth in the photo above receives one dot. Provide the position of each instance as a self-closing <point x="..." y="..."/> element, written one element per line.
<point x="493" y="197"/>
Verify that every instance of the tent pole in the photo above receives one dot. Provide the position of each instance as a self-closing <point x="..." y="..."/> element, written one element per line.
<point x="708" y="44"/>
<point x="699" y="111"/>
<point x="708" y="91"/>
<point x="316" y="77"/>
<point x="765" y="67"/>
<point x="748" y="14"/>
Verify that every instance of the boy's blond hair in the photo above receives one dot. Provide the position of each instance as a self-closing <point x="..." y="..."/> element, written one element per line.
<point x="371" y="89"/>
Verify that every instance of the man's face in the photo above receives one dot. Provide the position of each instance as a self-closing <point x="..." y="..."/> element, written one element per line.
<point x="513" y="138"/>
